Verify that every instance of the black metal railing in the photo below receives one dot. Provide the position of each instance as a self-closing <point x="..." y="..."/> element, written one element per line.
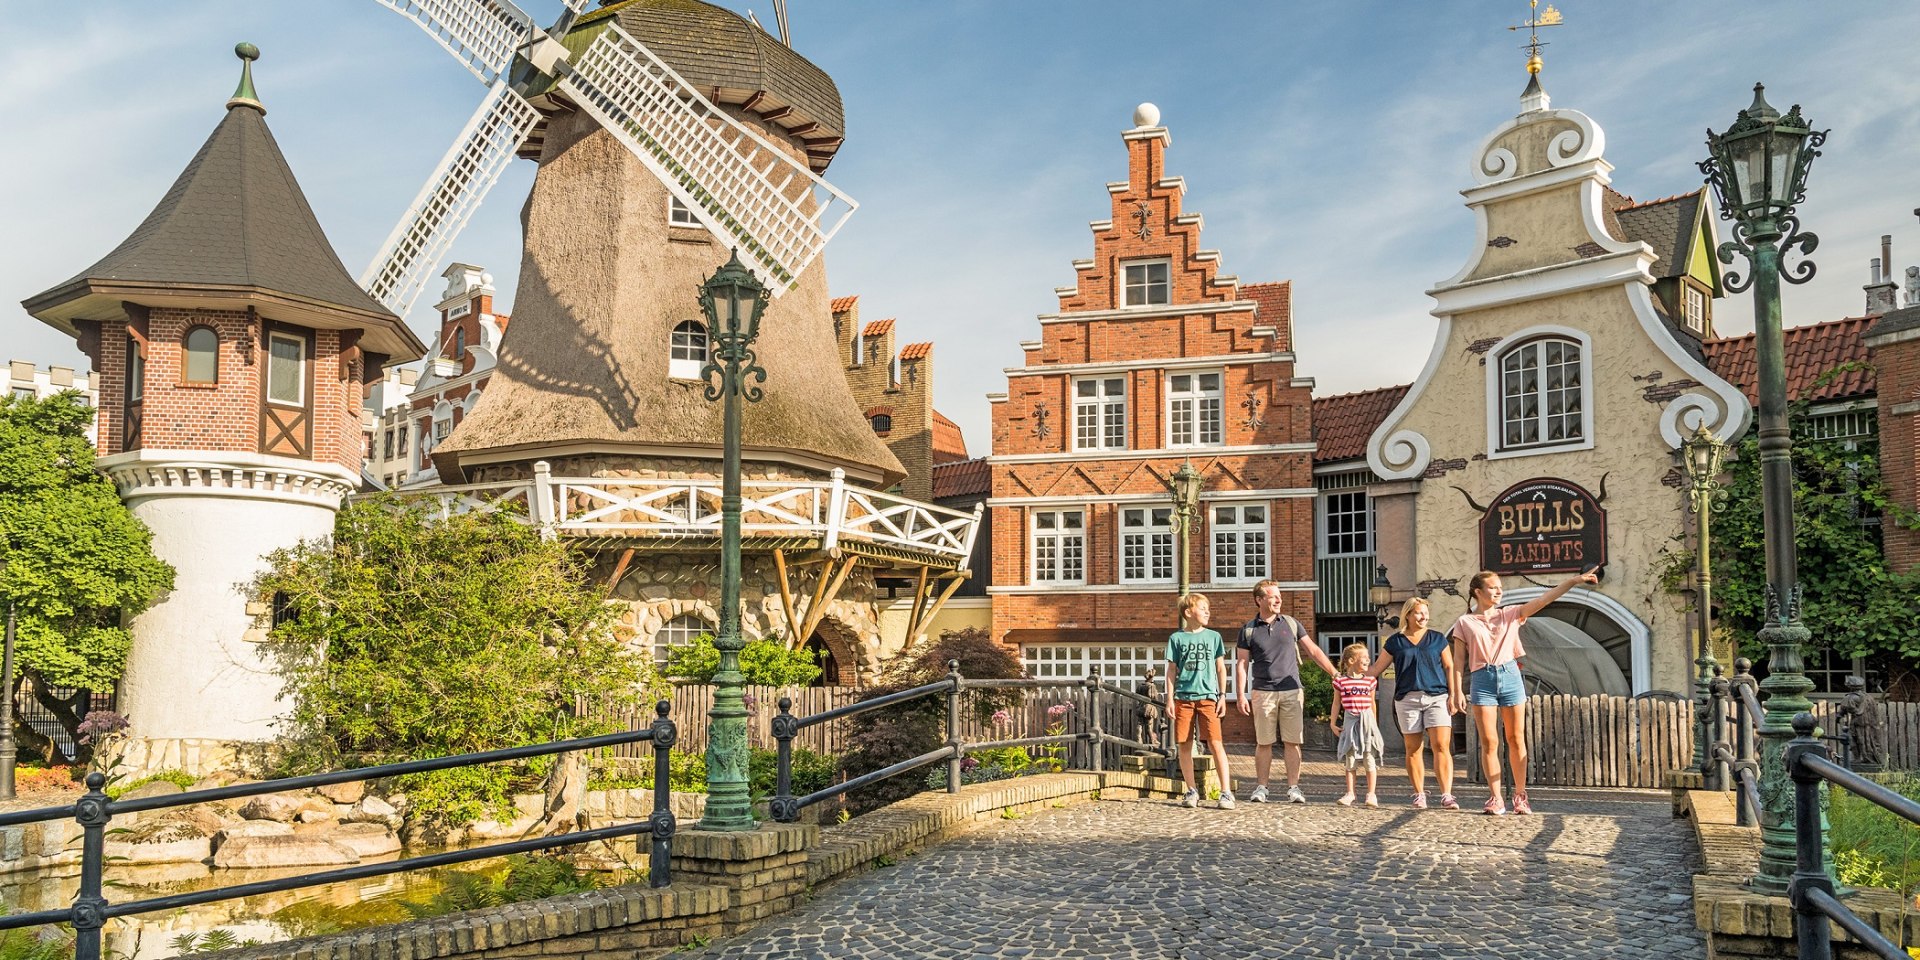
<point x="1811" y="891"/>
<point x="1734" y="766"/>
<point x="785" y="807"/>
<point x="95" y="810"/>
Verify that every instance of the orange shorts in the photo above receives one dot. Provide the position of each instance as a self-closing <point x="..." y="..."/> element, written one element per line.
<point x="1189" y="714"/>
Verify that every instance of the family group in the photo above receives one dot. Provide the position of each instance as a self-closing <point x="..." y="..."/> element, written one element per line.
<point x="1436" y="675"/>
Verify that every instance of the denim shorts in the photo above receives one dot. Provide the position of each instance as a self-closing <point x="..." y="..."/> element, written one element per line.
<point x="1496" y="686"/>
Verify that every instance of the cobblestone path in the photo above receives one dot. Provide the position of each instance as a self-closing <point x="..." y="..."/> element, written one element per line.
<point x="1593" y="874"/>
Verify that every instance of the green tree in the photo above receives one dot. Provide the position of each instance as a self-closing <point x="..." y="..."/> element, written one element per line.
<point x="764" y="662"/>
<point x="73" y="561"/>
<point x="408" y="636"/>
<point x="1851" y="601"/>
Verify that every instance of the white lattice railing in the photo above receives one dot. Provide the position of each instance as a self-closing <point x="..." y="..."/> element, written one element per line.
<point x="832" y="511"/>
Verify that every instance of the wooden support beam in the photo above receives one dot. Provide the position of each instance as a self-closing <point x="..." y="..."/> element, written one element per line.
<point x="619" y="570"/>
<point x="919" y="605"/>
<point x="786" y="601"/>
<point x="952" y="585"/>
<point x="819" y="609"/>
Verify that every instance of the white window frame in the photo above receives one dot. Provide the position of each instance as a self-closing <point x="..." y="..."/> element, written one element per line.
<point x="1693" y="306"/>
<point x="1497" y="449"/>
<point x="1332" y="643"/>
<point x="1145" y="285"/>
<point x="681" y="341"/>
<point x="1205" y="409"/>
<point x="1146" y="543"/>
<point x="1118" y="663"/>
<point x="1064" y="541"/>
<point x="1240" y="530"/>
<point x="300" y="375"/>
<point x="679" y="214"/>
<point x="1102" y="414"/>
<point x="680" y="631"/>
<point x="1324" y="531"/>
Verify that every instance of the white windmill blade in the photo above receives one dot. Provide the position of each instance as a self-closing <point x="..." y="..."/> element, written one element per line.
<point x="466" y="173"/>
<point x="752" y="195"/>
<point x="481" y="34"/>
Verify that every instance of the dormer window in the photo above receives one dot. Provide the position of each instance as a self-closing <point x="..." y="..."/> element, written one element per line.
<point x="1146" y="283"/>
<point x="688" y="351"/>
<point x="678" y="214"/>
<point x="1694" y="308"/>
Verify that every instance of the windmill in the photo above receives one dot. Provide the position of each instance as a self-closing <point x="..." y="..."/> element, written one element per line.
<point x="750" y="194"/>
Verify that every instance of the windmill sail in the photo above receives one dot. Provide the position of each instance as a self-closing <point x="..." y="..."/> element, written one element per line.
<point x="747" y="192"/>
<point x="481" y="34"/>
<point x="466" y="173"/>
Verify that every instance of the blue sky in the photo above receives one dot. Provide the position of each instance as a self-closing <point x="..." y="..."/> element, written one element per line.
<point x="1325" y="143"/>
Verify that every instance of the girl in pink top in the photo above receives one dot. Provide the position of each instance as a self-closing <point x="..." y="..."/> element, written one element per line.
<point x="1490" y="635"/>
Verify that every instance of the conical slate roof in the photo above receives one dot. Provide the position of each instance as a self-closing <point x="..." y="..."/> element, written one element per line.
<point x="236" y="225"/>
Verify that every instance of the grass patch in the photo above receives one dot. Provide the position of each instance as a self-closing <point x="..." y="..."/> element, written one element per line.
<point x="1872" y="846"/>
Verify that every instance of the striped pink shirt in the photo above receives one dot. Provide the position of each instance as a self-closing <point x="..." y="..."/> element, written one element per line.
<point x="1492" y="638"/>
<point x="1356" y="693"/>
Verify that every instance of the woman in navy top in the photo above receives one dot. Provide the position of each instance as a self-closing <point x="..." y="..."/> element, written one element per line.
<point x="1422" y="703"/>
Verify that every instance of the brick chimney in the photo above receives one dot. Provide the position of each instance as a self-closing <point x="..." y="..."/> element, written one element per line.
<point x="1883" y="294"/>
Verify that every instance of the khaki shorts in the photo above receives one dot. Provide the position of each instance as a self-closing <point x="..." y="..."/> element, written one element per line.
<point x="1422" y="711"/>
<point x="1279" y="711"/>
<point x="1196" y="719"/>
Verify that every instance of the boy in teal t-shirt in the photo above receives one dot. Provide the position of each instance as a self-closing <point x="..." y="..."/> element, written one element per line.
<point x="1197" y="671"/>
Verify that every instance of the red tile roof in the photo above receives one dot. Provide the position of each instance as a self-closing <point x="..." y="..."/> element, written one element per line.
<point x="842" y="304"/>
<point x="916" y="351"/>
<point x="962" y="478"/>
<point x="1342" y="424"/>
<point x="1274" y="306"/>
<point x="949" y="444"/>
<point x="878" y="327"/>
<point x="1811" y="352"/>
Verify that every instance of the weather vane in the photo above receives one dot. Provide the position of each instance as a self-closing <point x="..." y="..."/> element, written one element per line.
<point x="1550" y="17"/>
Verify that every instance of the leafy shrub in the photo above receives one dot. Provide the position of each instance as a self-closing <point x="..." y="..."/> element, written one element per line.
<point x="28" y="945"/>
<point x="1872" y="846"/>
<point x="179" y="778"/>
<point x="29" y="779"/>
<point x="764" y="662"/>
<point x="812" y="771"/>
<point x="462" y="795"/>
<point x="884" y="737"/>
<point x="1319" y="693"/>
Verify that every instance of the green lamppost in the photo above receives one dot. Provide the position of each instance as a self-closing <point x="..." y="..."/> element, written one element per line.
<point x="1184" y="484"/>
<point x="732" y="300"/>
<point x="1758" y="170"/>
<point x="1702" y="455"/>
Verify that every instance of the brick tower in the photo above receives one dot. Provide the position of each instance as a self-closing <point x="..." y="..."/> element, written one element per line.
<point x="1154" y="358"/>
<point x="230" y="348"/>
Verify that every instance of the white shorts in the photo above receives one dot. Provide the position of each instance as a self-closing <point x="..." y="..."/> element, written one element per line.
<point x="1422" y="711"/>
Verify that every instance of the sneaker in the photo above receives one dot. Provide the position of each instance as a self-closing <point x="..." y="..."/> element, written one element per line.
<point x="1447" y="802"/>
<point x="1494" y="807"/>
<point x="1345" y="800"/>
<point x="1259" y="794"/>
<point x="1420" y="801"/>
<point x="1372" y="800"/>
<point x="1226" y="799"/>
<point x="1190" y="799"/>
<point x="1295" y="796"/>
<point x="1520" y="804"/>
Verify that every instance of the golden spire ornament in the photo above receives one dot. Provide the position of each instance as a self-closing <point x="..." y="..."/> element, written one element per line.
<point x="1537" y="18"/>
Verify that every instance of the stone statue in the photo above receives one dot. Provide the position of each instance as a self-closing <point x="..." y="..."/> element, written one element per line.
<point x="1865" y="726"/>
<point x="1913" y="286"/>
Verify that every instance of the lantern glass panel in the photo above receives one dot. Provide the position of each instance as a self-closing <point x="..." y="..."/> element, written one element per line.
<point x="1784" y="154"/>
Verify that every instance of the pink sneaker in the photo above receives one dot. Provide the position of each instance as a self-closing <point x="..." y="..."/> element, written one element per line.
<point x="1494" y="807"/>
<point x="1447" y="802"/>
<point x="1420" y="801"/>
<point x="1520" y="805"/>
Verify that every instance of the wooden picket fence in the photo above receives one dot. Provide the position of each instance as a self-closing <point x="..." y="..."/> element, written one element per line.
<point x="692" y="701"/>
<point x="1603" y="741"/>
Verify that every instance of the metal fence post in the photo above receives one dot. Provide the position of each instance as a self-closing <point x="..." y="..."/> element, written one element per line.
<point x="1717" y="726"/>
<point x="1743" y="722"/>
<point x="785" y="727"/>
<point x="1098" y="735"/>
<point x="93" y="810"/>
<point x="954" y="742"/>
<point x="1815" y="938"/>
<point x="661" y="824"/>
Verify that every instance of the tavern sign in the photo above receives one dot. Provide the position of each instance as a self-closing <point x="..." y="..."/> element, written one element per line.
<point x="1544" y="525"/>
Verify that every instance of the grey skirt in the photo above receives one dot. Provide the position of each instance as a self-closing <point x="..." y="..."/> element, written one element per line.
<point x="1361" y="745"/>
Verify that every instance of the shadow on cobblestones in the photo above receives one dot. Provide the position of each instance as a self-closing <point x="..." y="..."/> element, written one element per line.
<point x="1606" y="876"/>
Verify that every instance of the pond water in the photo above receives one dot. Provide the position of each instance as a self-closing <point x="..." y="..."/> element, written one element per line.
<point x="268" y="918"/>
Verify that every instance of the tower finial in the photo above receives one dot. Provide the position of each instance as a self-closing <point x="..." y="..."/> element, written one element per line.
<point x="1537" y="18"/>
<point x="243" y="95"/>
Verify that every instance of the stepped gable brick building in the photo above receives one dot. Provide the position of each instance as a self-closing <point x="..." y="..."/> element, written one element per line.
<point x="463" y="362"/>
<point x="1154" y="358"/>
<point x="894" y="390"/>
<point x="230" y="350"/>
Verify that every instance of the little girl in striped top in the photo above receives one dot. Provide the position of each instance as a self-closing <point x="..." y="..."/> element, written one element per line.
<point x="1361" y="744"/>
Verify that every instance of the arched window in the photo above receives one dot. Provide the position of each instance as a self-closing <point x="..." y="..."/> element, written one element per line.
<point x="1542" y="394"/>
<point x="688" y="351"/>
<point x="882" y="423"/>
<point x="678" y="632"/>
<point x="200" y="356"/>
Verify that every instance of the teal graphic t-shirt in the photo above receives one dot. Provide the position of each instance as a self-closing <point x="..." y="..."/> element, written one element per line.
<point x="1194" y="654"/>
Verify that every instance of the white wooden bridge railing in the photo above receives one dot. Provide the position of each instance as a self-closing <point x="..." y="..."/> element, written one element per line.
<point x="831" y="510"/>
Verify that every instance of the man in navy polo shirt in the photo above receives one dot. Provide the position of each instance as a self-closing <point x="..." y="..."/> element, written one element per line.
<point x="1268" y="671"/>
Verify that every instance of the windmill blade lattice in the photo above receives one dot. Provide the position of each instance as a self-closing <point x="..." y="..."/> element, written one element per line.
<point x="481" y="34"/>
<point x="466" y="173"/>
<point x="738" y="185"/>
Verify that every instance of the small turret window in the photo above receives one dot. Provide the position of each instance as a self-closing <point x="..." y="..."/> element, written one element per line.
<point x="200" y="356"/>
<point x="286" y="370"/>
<point x="688" y="351"/>
<point x="678" y="214"/>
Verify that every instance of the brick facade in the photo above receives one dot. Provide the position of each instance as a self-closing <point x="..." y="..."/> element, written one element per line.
<point x="1208" y="324"/>
<point x="890" y="383"/>
<point x="1894" y="347"/>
